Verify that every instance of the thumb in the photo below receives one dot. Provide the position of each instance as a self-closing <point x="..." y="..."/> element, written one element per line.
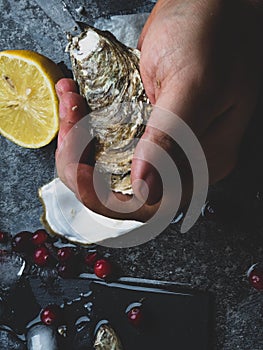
<point x="166" y="138"/>
<point x="147" y="160"/>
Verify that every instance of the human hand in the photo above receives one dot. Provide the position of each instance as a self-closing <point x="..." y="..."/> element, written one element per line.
<point x="199" y="70"/>
<point x="202" y="61"/>
<point x="78" y="172"/>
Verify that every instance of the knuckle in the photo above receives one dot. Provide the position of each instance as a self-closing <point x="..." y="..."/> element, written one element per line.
<point x="158" y="137"/>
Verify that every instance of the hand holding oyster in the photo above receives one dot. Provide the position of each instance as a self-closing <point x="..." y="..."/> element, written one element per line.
<point x="107" y="73"/>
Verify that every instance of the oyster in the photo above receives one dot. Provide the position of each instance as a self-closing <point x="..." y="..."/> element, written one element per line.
<point x="65" y="215"/>
<point x="107" y="339"/>
<point x="108" y="76"/>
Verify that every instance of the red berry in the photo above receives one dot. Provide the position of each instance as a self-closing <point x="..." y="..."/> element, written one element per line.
<point x="135" y="316"/>
<point x="39" y="237"/>
<point x="255" y="276"/>
<point x="51" y="315"/>
<point x="68" y="270"/>
<point x="42" y="256"/>
<point x="65" y="254"/>
<point x="22" y="242"/>
<point x="90" y="259"/>
<point x="3" y="237"/>
<point x="103" y="268"/>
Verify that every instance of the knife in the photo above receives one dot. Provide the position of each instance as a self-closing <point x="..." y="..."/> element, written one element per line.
<point x="59" y="12"/>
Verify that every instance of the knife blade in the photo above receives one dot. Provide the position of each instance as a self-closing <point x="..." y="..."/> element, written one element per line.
<point x="59" y="12"/>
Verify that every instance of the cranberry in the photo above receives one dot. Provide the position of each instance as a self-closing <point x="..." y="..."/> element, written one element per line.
<point x="103" y="268"/>
<point x="39" y="237"/>
<point x="51" y="315"/>
<point x="3" y="237"/>
<point x="22" y="242"/>
<point x="65" y="254"/>
<point x="90" y="259"/>
<point x="255" y="276"/>
<point x="68" y="270"/>
<point x="135" y="316"/>
<point x="42" y="256"/>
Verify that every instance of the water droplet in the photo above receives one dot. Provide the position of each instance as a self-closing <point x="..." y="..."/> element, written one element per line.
<point x="88" y="306"/>
<point x="177" y="218"/>
<point x="81" y="323"/>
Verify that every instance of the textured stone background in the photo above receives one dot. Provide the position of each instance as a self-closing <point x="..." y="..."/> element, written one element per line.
<point x="214" y="255"/>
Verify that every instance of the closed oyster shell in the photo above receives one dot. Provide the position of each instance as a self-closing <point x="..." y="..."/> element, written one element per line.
<point x="107" y="339"/>
<point x="108" y="76"/>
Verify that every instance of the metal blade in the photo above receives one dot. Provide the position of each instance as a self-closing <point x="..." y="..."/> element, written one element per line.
<point x="58" y="11"/>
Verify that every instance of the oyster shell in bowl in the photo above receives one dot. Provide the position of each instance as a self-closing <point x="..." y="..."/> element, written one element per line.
<point x="108" y="76"/>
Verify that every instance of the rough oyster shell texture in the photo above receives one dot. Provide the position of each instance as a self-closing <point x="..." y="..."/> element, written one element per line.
<point x="107" y="339"/>
<point x="108" y="76"/>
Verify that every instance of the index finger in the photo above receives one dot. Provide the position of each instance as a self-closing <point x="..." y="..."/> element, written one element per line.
<point x="72" y="106"/>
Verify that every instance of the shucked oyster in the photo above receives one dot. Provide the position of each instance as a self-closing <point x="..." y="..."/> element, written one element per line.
<point x="108" y="76"/>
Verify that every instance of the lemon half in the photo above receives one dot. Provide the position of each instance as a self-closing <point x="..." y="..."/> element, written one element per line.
<point x="28" y="101"/>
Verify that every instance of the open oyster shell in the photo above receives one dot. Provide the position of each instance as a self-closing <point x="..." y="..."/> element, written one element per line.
<point x="108" y="76"/>
<point x="66" y="216"/>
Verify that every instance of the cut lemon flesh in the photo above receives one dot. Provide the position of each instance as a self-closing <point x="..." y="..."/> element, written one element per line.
<point x="28" y="101"/>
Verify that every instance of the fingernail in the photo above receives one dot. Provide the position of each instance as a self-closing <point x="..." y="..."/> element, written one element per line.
<point x="141" y="189"/>
<point x="58" y="90"/>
